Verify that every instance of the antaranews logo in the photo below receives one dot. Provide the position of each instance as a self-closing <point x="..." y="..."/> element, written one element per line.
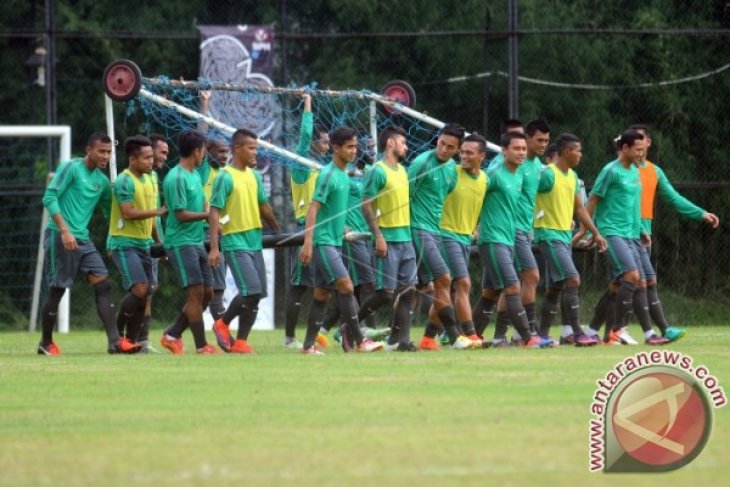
<point x="653" y="412"/>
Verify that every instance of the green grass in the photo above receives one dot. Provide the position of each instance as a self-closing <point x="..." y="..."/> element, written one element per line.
<point x="486" y="417"/>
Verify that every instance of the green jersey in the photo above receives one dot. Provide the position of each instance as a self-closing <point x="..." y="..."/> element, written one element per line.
<point x="618" y="213"/>
<point x="332" y="192"/>
<point x="355" y="219"/>
<point x="183" y="190"/>
<point x="74" y="192"/>
<point x="530" y="170"/>
<point x="430" y="181"/>
<point x="158" y="220"/>
<point x="498" y="218"/>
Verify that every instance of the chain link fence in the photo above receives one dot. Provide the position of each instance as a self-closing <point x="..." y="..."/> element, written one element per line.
<point x="588" y="68"/>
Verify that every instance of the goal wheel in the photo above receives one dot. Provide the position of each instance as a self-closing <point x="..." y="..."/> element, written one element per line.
<point x="401" y="91"/>
<point x="122" y="80"/>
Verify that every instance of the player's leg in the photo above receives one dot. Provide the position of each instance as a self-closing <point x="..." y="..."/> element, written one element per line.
<point x="301" y="280"/>
<point x="61" y="267"/>
<point x="250" y="275"/>
<point x="626" y="271"/>
<point x="529" y="276"/>
<point x="135" y="267"/>
<point x="656" y="310"/>
<point x="215" y="305"/>
<point x="144" y="332"/>
<point x="483" y="309"/>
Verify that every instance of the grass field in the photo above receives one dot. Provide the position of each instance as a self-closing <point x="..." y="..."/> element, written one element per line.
<point x="484" y="417"/>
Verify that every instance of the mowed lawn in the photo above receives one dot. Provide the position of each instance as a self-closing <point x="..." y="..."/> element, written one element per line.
<point x="482" y="417"/>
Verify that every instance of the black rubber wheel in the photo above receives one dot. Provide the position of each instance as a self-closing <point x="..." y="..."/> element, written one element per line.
<point x="122" y="80"/>
<point x="401" y="91"/>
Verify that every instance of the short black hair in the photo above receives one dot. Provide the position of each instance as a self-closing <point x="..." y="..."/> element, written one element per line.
<point x="134" y="144"/>
<point x="189" y="141"/>
<point x="551" y="150"/>
<point x="509" y="137"/>
<point x="156" y="139"/>
<point x="564" y="140"/>
<point x="479" y="140"/>
<point x="535" y="126"/>
<point x="388" y="133"/>
<point x="509" y="124"/>
<point x="98" y="137"/>
<point x="340" y="135"/>
<point x="454" y="130"/>
<point x="241" y="134"/>
<point x="629" y="137"/>
<point x="640" y="127"/>
<point x="319" y="129"/>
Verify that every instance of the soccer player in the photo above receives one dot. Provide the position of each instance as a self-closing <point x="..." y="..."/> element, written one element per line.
<point x="458" y="223"/>
<point x="537" y="138"/>
<point x="77" y="188"/>
<point x="160" y="151"/>
<point x="184" y="239"/>
<point x="314" y="142"/>
<point x="431" y="177"/>
<point x="133" y="211"/>
<point x="616" y="200"/>
<point x="325" y="227"/>
<point x="653" y="181"/>
<point x="496" y="240"/>
<point x="509" y="125"/>
<point x="558" y="199"/>
<point x="239" y="202"/>
<point x="385" y="206"/>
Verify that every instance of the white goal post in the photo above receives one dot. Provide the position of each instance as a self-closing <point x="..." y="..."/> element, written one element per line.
<point x="63" y="132"/>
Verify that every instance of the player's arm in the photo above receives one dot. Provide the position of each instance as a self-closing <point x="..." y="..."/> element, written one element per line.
<point x="214" y="255"/>
<point x="60" y="182"/>
<point x="547" y="181"/>
<point x="590" y="210"/>
<point x="204" y="109"/>
<point x="306" y="253"/>
<point x="681" y="204"/>
<point x="373" y="184"/>
<point x="267" y="214"/>
<point x="586" y="222"/>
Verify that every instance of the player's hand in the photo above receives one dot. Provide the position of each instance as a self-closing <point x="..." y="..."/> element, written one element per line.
<point x="349" y="236"/>
<point x="600" y="242"/>
<point x="69" y="241"/>
<point x="205" y="96"/>
<point x="711" y="219"/>
<point x="645" y="239"/>
<point x="214" y="258"/>
<point x="162" y="211"/>
<point x="577" y="237"/>
<point x="381" y="247"/>
<point x="305" y="255"/>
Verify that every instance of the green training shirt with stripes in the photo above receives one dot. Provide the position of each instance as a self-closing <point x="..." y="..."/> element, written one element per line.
<point x="332" y="192"/>
<point x="498" y="218"/>
<point x="618" y="212"/>
<point x="74" y="192"/>
<point x="430" y="181"/>
<point x="183" y="190"/>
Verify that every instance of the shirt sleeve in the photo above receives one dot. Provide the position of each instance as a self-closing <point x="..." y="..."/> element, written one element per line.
<point x="602" y="182"/>
<point x="452" y="177"/>
<point x="261" y="190"/>
<point x="124" y="189"/>
<point x="547" y="181"/>
<point x="175" y="194"/>
<point x="322" y="186"/>
<point x="105" y="202"/>
<point x="374" y="182"/>
<point x="60" y="182"/>
<point x="222" y="186"/>
<point x="670" y="196"/>
<point x="414" y="172"/>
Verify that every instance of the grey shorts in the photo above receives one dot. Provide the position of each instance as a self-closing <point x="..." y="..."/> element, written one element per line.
<point x="328" y="265"/>
<point x="63" y="266"/>
<point x="456" y="255"/>
<point x="645" y="254"/>
<point x="135" y="266"/>
<point x="398" y="268"/>
<point x="219" y="274"/>
<point x="248" y="271"/>
<point x="431" y="264"/>
<point x="524" y="257"/>
<point x="558" y="260"/>
<point x="191" y="265"/>
<point x="358" y="257"/>
<point x="499" y="266"/>
<point x="624" y="255"/>
<point x="155" y="273"/>
<point x="301" y="275"/>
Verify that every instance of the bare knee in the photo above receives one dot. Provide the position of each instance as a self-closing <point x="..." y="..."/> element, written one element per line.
<point x="141" y="290"/>
<point x="572" y="281"/>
